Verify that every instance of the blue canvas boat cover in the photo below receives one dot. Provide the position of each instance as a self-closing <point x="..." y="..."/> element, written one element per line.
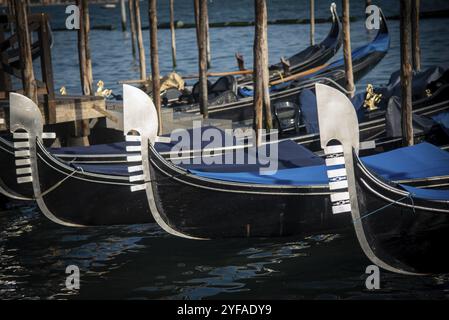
<point x="300" y="167"/>
<point x="415" y="162"/>
<point x="427" y="194"/>
<point x="443" y="120"/>
<point x="104" y="149"/>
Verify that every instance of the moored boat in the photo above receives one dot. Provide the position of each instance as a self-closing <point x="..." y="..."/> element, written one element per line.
<point x="399" y="227"/>
<point x="150" y="189"/>
<point x="365" y="58"/>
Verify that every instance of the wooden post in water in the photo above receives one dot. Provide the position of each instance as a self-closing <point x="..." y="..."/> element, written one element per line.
<point x="312" y="22"/>
<point x="406" y="72"/>
<point x="197" y="11"/>
<point x="266" y="71"/>
<point x="261" y="77"/>
<point x="83" y="49"/>
<point x="81" y="128"/>
<point x="26" y="60"/>
<point x="240" y="61"/>
<point x="367" y="3"/>
<point x="155" y="61"/>
<point x="173" y="34"/>
<point x="206" y="16"/>
<point x="142" y="62"/>
<point x="347" y="53"/>
<point x="86" y="19"/>
<point x="132" y="22"/>
<point x="123" y="14"/>
<point x="416" y="53"/>
<point x="202" y="54"/>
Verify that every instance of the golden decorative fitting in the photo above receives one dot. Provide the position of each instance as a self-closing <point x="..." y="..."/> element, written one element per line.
<point x="372" y="99"/>
<point x="428" y="92"/>
<point x="101" y="91"/>
<point x="63" y="91"/>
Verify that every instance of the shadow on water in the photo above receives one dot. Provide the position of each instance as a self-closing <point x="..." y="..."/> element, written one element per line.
<point x="141" y="262"/>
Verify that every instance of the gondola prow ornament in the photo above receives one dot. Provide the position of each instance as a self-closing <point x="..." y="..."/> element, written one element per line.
<point x="339" y="132"/>
<point x="140" y="117"/>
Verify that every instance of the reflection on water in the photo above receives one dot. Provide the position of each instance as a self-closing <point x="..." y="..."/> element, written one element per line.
<point x="141" y="262"/>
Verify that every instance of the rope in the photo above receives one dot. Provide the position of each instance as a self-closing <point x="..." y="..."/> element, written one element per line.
<point x="57" y="185"/>
<point x="409" y="195"/>
<point x="81" y="170"/>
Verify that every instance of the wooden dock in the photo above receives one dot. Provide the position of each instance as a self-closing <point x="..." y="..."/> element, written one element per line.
<point x="18" y="50"/>
<point x="66" y="109"/>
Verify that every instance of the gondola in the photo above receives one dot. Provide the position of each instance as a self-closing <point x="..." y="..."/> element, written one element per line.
<point x="111" y="153"/>
<point x="312" y="57"/>
<point x="372" y="126"/>
<point x="86" y="195"/>
<point x="226" y="88"/>
<point x="115" y="153"/>
<point x="255" y="206"/>
<point x="399" y="227"/>
<point x="364" y="58"/>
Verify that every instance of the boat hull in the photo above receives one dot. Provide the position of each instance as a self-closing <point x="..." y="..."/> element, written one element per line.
<point x="406" y="232"/>
<point x="205" y="208"/>
<point x="87" y="199"/>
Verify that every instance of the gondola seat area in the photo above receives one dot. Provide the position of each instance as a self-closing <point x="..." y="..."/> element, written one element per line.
<point x="398" y="165"/>
<point x="297" y="166"/>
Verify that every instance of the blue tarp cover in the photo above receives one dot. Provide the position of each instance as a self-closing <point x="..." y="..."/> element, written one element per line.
<point x="298" y="166"/>
<point x="415" y="162"/>
<point x="428" y="194"/>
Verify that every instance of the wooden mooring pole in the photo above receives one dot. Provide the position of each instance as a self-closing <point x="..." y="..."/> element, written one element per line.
<point x="416" y="53"/>
<point x="406" y="72"/>
<point x="85" y="65"/>
<point x="26" y="60"/>
<point x="196" y="14"/>
<point x="367" y="3"/>
<point x="312" y="22"/>
<point x="206" y="22"/>
<point x="173" y="34"/>
<point x="347" y="53"/>
<point x="81" y="128"/>
<point x="155" y="60"/>
<point x="240" y="61"/>
<point x="200" y="13"/>
<point x="142" y="61"/>
<point x="132" y="22"/>
<point x="123" y="14"/>
<point x="261" y="78"/>
<point x="196" y="5"/>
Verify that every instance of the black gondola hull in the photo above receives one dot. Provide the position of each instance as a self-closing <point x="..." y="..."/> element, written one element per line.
<point x="406" y="233"/>
<point x="209" y="209"/>
<point x="84" y="199"/>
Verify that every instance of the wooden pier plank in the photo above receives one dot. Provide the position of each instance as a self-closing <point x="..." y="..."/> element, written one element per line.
<point x="67" y="109"/>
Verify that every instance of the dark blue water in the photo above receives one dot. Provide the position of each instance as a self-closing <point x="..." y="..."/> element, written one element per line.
<point x="142" y="262"/>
